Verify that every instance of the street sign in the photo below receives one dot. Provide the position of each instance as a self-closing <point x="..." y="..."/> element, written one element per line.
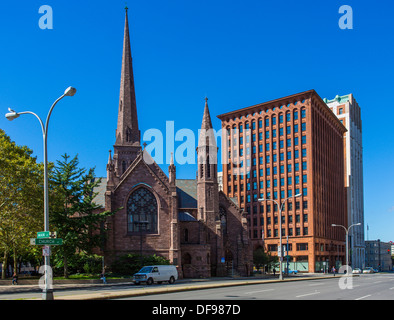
<point x="46" y="234"/>
<point x="49" y="242"/>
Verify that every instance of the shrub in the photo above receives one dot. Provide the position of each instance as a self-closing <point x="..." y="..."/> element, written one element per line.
<point x="131" y="263"/>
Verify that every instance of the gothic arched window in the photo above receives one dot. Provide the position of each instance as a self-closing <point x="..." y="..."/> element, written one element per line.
<point x="142" y="211"/>
<point x="223" y="219"/>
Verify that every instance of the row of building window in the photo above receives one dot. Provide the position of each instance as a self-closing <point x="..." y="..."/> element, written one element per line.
<point x="267" y="148"/>
<point x="288" y="204"/>
<point x="268" y="219"/>
<point x="304" y="247"/>
<point x="268" y="183"/>
<point x="269" y="233"/>
<point x="289" y="247"/>
<point x="268" y="171"/>
<point x="274" y="158"/>
<point x="267" y="134"/>
<point x="273" y="120"/>
<point x="275" y="195"/>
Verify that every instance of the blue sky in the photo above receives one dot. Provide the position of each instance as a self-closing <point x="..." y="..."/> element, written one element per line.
<point x="238" y="53"/>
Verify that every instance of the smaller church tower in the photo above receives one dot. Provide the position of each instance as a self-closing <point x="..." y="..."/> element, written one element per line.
<point x="207" y="184"/>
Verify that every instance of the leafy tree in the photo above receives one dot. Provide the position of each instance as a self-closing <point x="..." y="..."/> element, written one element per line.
<point x="21" y="198"/>
<point x="262" y="258"/>
<point x="76" y="217"/>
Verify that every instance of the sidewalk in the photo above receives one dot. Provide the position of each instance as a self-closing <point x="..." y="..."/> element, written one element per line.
<point x="180" y="285"/>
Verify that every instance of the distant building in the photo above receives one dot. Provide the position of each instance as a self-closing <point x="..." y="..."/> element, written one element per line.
<point x="378" y="255"/>
<point x="281" y="148"/>
<point x="348" y="112"/>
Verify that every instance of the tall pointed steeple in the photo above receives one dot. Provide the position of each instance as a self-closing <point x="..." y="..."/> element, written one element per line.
<point x="127" y="145"/>
<point x="127" y="132"/>
<point x="207" y="136"/>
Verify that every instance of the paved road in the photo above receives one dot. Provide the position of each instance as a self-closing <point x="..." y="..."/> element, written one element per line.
<point x="364" y="287"/>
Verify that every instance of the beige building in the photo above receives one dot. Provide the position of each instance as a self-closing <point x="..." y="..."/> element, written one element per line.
<point x="348" y="112"/>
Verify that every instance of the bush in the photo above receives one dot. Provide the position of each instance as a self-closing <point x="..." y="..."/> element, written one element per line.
<point x="131" y="263"/>
<point x="80" y="263"/>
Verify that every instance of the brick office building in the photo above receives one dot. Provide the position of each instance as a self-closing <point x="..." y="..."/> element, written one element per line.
<point x="190" y="222"/>
<point x="276" y="150"/>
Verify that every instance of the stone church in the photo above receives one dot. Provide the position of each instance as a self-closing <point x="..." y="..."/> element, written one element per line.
<point x="190" y="222"/>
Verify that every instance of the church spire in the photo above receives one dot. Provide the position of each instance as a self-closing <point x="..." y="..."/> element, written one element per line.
<point x="207" y="136"/>
<point x="127" y="132"/>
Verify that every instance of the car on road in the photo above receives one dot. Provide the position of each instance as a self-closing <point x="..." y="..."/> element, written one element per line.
<point x="368" y="270"/>
<point x="356" y="270"/>
<point x="159" y="273"/>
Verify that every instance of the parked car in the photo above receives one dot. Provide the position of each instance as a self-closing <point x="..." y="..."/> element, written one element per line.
<point x="160" y="273"/>
<point x="356" y="270"/>
<point x="368" y="270"/>
<point x="293" y="271"/>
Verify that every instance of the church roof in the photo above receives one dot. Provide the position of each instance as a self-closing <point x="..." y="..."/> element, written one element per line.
<point x="100" y="190"/>
<point x="187" y="193"/>
<point x="185" y="216"/>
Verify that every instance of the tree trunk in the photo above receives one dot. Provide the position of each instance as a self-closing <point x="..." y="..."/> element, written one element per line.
<point x="65" y="265"/>
<point x="4" y="267"/>
<point x="15" y="262"/>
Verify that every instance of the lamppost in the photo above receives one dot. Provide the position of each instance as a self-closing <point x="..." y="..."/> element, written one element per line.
<point x="47" y="293"/>
<point x="140" y="224"/>
<point x="347" y="240"/>
<point x="280" y="227"/>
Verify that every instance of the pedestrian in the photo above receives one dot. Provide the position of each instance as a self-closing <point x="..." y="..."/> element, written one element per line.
<point x="14" y="279"/>
<point x="274" y="271"/>
<point x="102" y="277"/>
<point x="333" y="270"/>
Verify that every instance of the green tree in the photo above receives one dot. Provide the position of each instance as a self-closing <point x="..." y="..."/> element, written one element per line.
<point x="262" y="258"/>
<point x="21" y="198"/>
<point x="76" y="217"/>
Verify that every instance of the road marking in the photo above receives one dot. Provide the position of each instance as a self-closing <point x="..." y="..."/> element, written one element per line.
<point x="363" y="297"/>
<point x="391" y="288"/>
<point x="307" y="294"/>
<point x="316" y="284"/>
<point x="251" y="292"/>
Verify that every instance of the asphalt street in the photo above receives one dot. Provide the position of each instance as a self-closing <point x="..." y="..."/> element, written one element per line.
<point x="363" y="287"/>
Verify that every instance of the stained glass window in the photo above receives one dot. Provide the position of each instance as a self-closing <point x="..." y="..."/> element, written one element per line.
<point x="142" y="211"/>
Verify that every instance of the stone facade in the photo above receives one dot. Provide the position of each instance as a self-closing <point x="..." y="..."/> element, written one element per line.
<point x="190" y="222"/>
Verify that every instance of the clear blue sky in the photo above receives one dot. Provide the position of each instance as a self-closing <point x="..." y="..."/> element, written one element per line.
<point x="238" y="53"/>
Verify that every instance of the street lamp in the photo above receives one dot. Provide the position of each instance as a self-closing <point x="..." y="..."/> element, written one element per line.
<point x="347" y="240"/>
<point x="139" y="224"/>
<point x="280" y="227"/>
<point x="47" y="293"/>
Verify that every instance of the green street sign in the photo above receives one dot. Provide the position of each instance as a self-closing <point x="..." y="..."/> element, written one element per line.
<point x="48" y="242"/>
<point x="46" y="234"/>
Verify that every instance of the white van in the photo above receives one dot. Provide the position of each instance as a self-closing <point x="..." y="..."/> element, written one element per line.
<point x="160" y="273"/>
